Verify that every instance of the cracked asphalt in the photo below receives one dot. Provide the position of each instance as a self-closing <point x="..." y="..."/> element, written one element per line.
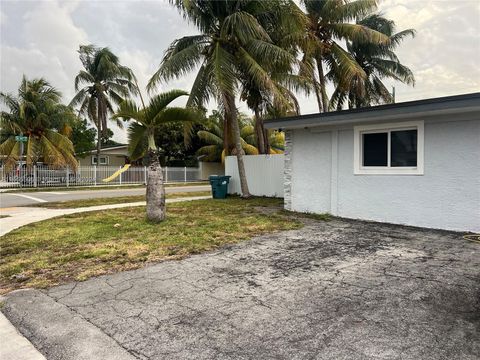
<point x="332" y="290"/>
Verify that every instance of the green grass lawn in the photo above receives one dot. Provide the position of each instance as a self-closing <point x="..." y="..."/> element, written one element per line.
<point x="80" y="246"/>
<point x="113" y="200"/>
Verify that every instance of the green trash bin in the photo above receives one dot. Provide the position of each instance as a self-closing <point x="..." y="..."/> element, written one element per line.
<point x="219" y="186"/>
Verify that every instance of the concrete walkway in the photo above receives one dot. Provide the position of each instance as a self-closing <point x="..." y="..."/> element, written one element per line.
<point x="13" y="345"/>
<point x="20" y="216"/>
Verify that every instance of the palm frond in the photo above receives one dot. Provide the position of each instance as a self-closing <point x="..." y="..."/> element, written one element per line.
<point x="210" y="138"/>
<point x="137" y="140"/>
<point x="177" y="62"/>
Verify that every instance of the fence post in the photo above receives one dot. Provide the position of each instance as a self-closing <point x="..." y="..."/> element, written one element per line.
<point x="120" y="175"/>
<point x="166" y="173"/>
<point x="185" y="174"/>
<point x="145" y="174"/>
<point x="67" y="180"/>
<point x="95" y="174"/>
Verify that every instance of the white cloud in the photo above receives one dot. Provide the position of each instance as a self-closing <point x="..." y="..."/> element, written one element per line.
<point x="444" y="54"/>
<point x="46" y="47"/>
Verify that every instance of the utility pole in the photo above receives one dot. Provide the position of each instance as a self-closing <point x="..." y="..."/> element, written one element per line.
<point x="393" y="94"/>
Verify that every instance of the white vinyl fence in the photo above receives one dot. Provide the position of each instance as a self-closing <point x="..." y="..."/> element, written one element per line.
<point x="264" y="174"/>
<point x="43" y="176"/>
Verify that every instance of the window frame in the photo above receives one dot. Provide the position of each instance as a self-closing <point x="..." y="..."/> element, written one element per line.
<point x="102" y="157"/>
<point x="358" y="167"/>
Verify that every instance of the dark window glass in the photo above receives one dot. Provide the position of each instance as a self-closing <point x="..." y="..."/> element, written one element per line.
<point x="404" y="148"/>
<point x="375" y="149"/>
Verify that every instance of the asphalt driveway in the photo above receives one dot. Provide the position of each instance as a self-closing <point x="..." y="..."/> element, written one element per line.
<point x="332" y="290"/>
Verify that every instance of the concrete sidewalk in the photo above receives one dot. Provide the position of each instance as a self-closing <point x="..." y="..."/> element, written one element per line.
<point x="20" y="216"/>
<point x="14" y="346"/>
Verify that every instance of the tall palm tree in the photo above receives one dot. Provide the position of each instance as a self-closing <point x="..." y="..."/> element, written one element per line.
<point x="105" y="82"/>
<point x="141" y="140"/>
<point x="234" y="44"/>
<point x="36" y="112"/>
<point x="379" y="62"/>
<point x="329" y="23"/>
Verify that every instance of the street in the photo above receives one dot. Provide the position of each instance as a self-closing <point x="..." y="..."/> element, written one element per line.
<point x="8" y="199"/>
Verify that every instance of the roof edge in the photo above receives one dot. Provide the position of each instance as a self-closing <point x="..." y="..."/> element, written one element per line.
<point x="408" y="108"/>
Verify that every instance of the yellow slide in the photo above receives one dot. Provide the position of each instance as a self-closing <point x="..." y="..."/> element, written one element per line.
<point x="116" y="173"/>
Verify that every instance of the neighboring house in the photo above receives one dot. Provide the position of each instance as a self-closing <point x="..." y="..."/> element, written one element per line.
<point x="116" y="155"/>
<point x="415" y="163"/>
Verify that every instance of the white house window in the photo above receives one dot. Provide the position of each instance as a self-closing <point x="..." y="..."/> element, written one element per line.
<point x="103" y="160"/>
<point x="395" y="149"/>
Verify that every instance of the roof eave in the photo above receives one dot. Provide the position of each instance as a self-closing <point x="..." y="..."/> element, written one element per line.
<point x="401" y="112"/>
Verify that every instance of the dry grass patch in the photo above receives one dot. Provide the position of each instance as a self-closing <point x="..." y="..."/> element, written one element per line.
<point x="80" y="246"/>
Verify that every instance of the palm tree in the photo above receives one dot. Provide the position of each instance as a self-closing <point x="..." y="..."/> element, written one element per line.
<point x="105" y="82"/>
<point x="378" y="62"/>
<point x="276" y="140"/>
<point x="36" y="112"/>
<point x="261" y="102"/>
<point x="141" y="138"/>
<point x="234" y="44"/>
<point x="212" y="135"/>
<point x="329" y="22"/>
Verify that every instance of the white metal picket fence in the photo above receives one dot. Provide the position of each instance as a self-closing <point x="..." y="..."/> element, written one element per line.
<point x="44" y="176"/>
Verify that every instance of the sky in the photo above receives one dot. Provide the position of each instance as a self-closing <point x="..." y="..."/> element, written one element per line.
<point x="40" y="38"/>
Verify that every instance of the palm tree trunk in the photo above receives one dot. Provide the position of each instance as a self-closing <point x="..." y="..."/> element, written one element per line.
<point x="99" y="130"/>
<point x="323" y="86"/>
<point x="155" y="189"/>
<point x="99" y="145"/>
<point x="232" y="110"/>
<point x="316" y="87"/>
<point x="99" y="142"/>
<point x="226" y="134"/>
<point x="259" y="132"/>
<point x="266" y="139"/>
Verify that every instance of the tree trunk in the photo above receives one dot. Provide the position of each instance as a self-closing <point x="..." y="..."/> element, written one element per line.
<point x="232" y="110"/>
<point x="226" y="134"/>
<point x="316" y="86"/>
<point x="266" y="139"/>
<point x="99" y="130"/>
<point x="323" y="86"/>
<point x="155" y="189"/>
<point x="259" y="133"/>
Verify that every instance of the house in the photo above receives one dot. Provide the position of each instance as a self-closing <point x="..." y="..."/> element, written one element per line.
<point x="414" y="163"/>
<point x="115" y="155"/>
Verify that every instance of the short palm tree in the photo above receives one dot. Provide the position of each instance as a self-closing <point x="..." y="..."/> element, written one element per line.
<point x="379" y="62"/>
<point x="105" y="83"/>
<point x="329" y="23"/>
<point x="36" y="112"/>
<point x="141" y="138"/>
<point x="213" y="137"/>
<point x="233" y="44"/>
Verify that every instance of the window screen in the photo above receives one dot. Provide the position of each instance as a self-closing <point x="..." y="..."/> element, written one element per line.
<point x="404" y="148"/>
<point x="375" y="152"/>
